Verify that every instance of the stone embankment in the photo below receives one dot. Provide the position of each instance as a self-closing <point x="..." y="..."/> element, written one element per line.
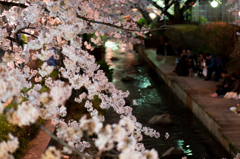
<point x="194" y="92"/>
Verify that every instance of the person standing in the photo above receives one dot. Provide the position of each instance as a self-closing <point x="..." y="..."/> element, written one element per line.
<point x="211" y="67"/>
<point x="219" y="67"/>
<point x="187" y="14"/>
<point x="165" y="49"/>
<point x="200" y="65"/>
<point x="191" y="65"/>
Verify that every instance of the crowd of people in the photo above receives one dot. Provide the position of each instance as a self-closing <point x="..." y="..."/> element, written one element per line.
<point x="201" y="65"/>
<point x="207" y="66"/>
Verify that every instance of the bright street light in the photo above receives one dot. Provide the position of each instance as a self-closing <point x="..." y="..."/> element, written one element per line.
<point x="152" y="15"/>
<point x="214" y="4"/>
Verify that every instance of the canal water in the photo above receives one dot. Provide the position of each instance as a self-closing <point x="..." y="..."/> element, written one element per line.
<point x="186" y="132"/>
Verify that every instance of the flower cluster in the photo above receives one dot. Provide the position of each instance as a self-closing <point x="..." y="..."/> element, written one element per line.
<point x="30" y="113"/>
<point x="51" y="153"/>
<point x="8" y="147"/>
<point x="11" y="82"/>
<point x="55" y="30"/>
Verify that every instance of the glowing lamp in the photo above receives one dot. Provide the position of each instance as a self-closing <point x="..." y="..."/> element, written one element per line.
<point x="152" y="15"/>
<point x="214" y="4"/>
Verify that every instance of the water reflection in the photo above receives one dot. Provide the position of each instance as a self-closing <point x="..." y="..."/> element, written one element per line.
<point x="186" y="149"/>
<point x="147" y="97"/>
<point x="108" y="56"/>
<point x="142" y="82"/>
<point x="186" y="132"/>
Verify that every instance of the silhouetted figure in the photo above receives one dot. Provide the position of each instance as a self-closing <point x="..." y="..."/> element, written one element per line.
<point x="225" y="85"/>
<point x="200" y="64"/>
<point x="191" y="54"/>
<point x="165" y="49"/>
<point x="183" y="52"/>
<point x="215" y="64"/>
<point x="236" y="83"/>
<point x="192" y="66"/>
<point x="182" y="68"/>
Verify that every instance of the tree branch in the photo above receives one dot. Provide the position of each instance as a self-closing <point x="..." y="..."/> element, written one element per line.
<point x="60" y="141"/>
<point x="156" y="5"/>
<point x="20" y="30"/>
<point x="144" y="14"/>
<point x="23" y="32"/>
<point x="15" y="40"/>
<point x="187" y="5"/>
<point x="65" y="144"/>
<point x="170" y="5"/>
<point x="5" y="3"/>
<point x="164" y="10"/>
<point x="118" y="27"/>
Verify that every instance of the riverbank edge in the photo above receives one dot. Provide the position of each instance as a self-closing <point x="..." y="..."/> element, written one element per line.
<point x="208" y="121"/>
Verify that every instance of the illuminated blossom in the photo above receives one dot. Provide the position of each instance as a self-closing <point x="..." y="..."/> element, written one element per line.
<point x="45" y="69"/>
<point x="54" y="31"/>
<point x="51" y="153"/>
<point x="27" y="110"/>
<point x="8" y="147"/>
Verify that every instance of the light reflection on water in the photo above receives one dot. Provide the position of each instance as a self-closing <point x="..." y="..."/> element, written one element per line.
<point x="148" y="97"/>
<point x="186" y="149"/>
<point x="142" y="82"/>
<point x="140" y="101"/>
<point x="109" y="54"/>
<point x="186" y="133"/>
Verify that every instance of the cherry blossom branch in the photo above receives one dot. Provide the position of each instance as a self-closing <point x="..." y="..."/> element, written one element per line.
<point x="23" y="32"/>
<point x="60" y="141"/>
<point x="15" y="40"/>
<point x="20" y="30"/>
<point x="65" y="144"/>
<point x="118" y="27"/>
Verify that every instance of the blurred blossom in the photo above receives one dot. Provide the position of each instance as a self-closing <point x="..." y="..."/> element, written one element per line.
<point x="39" y="92"/>
<point x="166" y="135"/>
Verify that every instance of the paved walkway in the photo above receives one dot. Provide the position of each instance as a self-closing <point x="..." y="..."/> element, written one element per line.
<point x="213" y="112"/>
<point x="39" y="144"/>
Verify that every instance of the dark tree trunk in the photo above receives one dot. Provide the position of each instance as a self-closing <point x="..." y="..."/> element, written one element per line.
<point x="178" y="17"/>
